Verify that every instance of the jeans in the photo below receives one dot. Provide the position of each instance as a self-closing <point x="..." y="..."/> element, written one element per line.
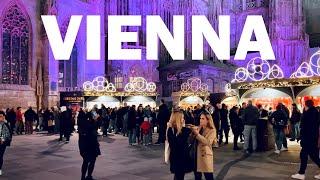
<point x="224" y="130"/>
<point x="250" y="132"/>
<point x="125" y="126"/>
<point x="146" y="138"/>
<point x="295" y="130"/>
<point x="29" y="127"/>
<point x="279" y="137"/>
<point x="313" y="152"/>
<point x="2" y="150"/>
<point x="132" y="136"/>
<point x="19" y="127"/>
<point x="111" y="125"/>
<point x="198" y="176"/>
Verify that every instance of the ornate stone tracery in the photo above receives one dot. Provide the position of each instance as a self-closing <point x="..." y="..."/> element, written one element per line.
<point x="16" y="38"/>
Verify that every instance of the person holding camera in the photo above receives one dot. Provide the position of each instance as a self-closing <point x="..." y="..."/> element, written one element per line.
<point x="205" y="136"/>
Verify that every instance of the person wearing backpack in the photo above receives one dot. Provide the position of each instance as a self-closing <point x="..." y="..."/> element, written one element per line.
<point x="5" y="137"/>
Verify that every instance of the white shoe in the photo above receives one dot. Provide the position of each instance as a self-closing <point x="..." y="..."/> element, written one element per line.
<point x="0" y="172"/>
<point x="277" y="151"/>
<point x="298" y="176"/>
<point x="317" y="176"/>
<point x="284" y="149"/>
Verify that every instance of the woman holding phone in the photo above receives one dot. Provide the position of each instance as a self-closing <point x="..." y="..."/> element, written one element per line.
<point x="205" y="135"/>
<point x="178" y="141"/>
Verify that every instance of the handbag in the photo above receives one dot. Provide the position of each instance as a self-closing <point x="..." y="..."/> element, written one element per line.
<point x="286" y="130"/>
<point x="166" y="152"/>
<point x="50" y="122"/>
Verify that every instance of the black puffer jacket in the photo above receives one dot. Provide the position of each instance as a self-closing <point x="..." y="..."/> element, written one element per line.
<point x="309" y="128"/>
<point x="279" y="119"/>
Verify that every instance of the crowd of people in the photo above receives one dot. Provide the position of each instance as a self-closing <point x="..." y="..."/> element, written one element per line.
<point x="191" y="133"/>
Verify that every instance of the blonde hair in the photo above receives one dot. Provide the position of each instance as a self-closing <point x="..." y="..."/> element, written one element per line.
<point x="176" y="120"/>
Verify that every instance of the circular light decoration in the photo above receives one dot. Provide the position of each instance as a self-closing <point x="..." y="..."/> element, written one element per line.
<point x="194" y="84"/>
<point x="110" y="88"/>
<point x="227" y="87"/>
<point x="185" y="87"/>
<point x="87" y="86"/>
<point x="151" y="87"/>
<point x="140" y="84"/>
<point x="275" y="72"/>
<point x="204" y="87"/>
<point x="99" y="84"/>
<point x="129" y="87"/>
<point x="241" y="74"/>
<point x="304" y="70"/>
<point x="258" y="69"/>
<point x="315" y="63"/>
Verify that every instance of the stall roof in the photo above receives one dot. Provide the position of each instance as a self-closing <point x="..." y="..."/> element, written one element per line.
<point x="278" y="83"/>
<point x="119" y="94"/>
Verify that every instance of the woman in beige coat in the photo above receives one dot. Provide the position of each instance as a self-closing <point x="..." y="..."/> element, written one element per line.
<point x="205" y="135"/>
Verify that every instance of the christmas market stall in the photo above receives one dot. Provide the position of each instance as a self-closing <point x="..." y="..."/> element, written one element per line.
<point x="265" y="84"/>
<point x="192" y="93"/>
<point x="138" y="91"/>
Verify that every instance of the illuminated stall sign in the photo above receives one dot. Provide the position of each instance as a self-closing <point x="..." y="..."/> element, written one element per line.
<point x="71" y="99"/>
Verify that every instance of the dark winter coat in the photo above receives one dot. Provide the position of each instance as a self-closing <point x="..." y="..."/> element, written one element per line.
<point x="163" y="114"/>
<point x="30" y="115"/>
<point x="309" y="128"/>
<point x="179" y="154"/>
<point x="224" y="118"/>
<point x="132" y="119"/>
<point x="250" y="115"/>
<point x="236" y="122"/>
<point x="295" y="117"/>
<point x="66" y="121"/>
<point x="88" y="143"/>
<point x="279" y="119"/>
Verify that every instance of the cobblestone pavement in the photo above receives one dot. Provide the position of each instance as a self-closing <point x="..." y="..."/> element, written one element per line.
<point x="42" y="157"/>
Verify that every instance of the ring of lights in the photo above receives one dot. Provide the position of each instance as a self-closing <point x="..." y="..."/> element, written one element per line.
<point x="99" y="84"/>
<point x="194" y="85"/>
<point x="310" y="69"/>
<point x="257" y="70"/>
<point x="140" y="84"/>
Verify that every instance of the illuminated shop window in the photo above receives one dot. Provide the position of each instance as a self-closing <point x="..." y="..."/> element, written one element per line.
<point x="15" y="46"/>
<point x="118" y="80"/>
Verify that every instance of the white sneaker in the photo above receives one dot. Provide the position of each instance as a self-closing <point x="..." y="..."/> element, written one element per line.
<point x="0" y="172"/>
<point x="298" y="176"/>
<point x="317" y="176"/>
<point x="284" y="149"/>
<point x="277" y="151"/>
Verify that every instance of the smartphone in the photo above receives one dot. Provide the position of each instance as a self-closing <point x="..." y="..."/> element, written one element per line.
<point x="189" y="125"/>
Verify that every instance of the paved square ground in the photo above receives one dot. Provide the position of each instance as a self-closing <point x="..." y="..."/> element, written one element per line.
<point x="42" y="157"/>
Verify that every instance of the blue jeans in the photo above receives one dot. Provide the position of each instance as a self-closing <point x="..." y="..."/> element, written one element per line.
<point x="146" y="138"/>
<point x="132" y="136"/>
<point x="250" y="132"/>
<point x="295" y="130"/>
<point x="279" y="137"/>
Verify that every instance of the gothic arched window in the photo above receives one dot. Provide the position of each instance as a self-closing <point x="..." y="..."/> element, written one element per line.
<point x="16" y="38"/>
<point x="68" y="70"/>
